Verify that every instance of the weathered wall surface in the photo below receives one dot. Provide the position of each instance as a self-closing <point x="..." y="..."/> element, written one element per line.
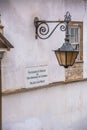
<point x="57" y="108"/>
<point x="18" y="17"/>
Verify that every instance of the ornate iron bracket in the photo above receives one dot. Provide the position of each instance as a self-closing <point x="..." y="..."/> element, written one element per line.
<point x="42" y="28"/>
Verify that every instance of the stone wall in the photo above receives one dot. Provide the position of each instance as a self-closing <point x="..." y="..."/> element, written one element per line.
<point x="75" y="72"/>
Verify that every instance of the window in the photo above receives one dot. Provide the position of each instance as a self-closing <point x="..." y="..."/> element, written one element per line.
<point x="76" y="37"/>
<point x="75" y="72"/>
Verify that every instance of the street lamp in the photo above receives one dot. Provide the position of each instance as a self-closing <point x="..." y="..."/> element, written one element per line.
<point x="66" y="55"/>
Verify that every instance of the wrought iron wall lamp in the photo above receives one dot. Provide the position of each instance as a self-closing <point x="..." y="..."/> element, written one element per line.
<point x="66" y="55"/>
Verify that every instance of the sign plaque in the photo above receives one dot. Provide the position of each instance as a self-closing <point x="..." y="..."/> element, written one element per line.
<point x="36" y="76"/>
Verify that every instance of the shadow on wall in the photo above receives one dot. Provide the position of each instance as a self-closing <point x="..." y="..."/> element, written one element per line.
<point x="36" y="124"/>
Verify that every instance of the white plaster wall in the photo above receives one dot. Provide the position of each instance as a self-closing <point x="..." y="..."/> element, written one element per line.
<point x="61" y="107"/>
<point x="85" y="40"/>
<point x="17" y="17"/>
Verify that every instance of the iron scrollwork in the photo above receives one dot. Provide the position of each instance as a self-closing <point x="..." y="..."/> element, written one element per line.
<point x="43" y="27"/>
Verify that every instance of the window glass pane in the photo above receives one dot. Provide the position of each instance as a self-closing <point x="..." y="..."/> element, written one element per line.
<point x="75" y="37"/>
<point x="74" y="32"/>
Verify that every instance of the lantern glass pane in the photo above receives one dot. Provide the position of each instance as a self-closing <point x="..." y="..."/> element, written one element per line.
<point x="60" y="57"/>
<point x="66" y="58"/>
<point x="74" y="56"/>
<point x="69" y="58"/>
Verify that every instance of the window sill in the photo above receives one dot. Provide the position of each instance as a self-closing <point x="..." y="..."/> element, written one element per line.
<point x="79" y="61"/>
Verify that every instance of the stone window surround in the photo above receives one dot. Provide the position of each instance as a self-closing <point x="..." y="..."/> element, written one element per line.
<point x="79" y="24"/>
